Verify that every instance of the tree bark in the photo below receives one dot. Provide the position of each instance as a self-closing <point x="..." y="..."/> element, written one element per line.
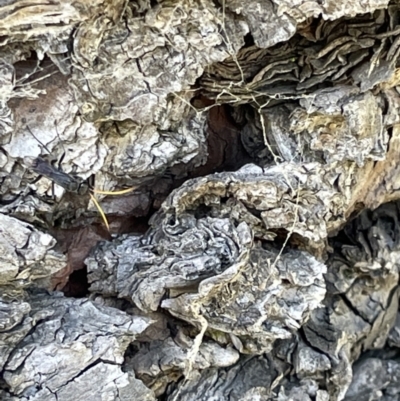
<point x="255" y="253"/>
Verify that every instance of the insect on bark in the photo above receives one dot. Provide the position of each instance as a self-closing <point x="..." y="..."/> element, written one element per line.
<point x="69" y="182"/>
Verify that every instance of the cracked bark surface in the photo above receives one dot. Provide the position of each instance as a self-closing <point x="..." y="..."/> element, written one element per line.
<point x="257" y="257"/>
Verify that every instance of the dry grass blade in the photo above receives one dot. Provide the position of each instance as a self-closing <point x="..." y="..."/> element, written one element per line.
<point x="103" y="216"/>
<point x="97" y="204"/>
<point x="121" y="192"/>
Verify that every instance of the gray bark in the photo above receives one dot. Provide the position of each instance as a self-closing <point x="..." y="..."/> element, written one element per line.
<point x="257" y="256"/>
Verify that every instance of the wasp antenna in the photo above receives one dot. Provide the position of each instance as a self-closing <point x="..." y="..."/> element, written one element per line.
<point x="27" y="127"/>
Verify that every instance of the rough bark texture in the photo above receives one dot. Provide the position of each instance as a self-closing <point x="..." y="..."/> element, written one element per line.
<point x="257" y="257"/>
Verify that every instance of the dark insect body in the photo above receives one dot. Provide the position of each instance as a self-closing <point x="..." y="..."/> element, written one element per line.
<point x="64" y="180"/>
<point x="67" y="181"/>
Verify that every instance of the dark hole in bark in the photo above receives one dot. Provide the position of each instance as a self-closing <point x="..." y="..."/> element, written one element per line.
<point x="77" y="285"/>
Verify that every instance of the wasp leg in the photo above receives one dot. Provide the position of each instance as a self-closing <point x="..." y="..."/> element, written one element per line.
<point x="59" y="162"/>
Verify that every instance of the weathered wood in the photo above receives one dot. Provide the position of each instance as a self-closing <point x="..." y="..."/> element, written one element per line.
<point x="269" y="269"/>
